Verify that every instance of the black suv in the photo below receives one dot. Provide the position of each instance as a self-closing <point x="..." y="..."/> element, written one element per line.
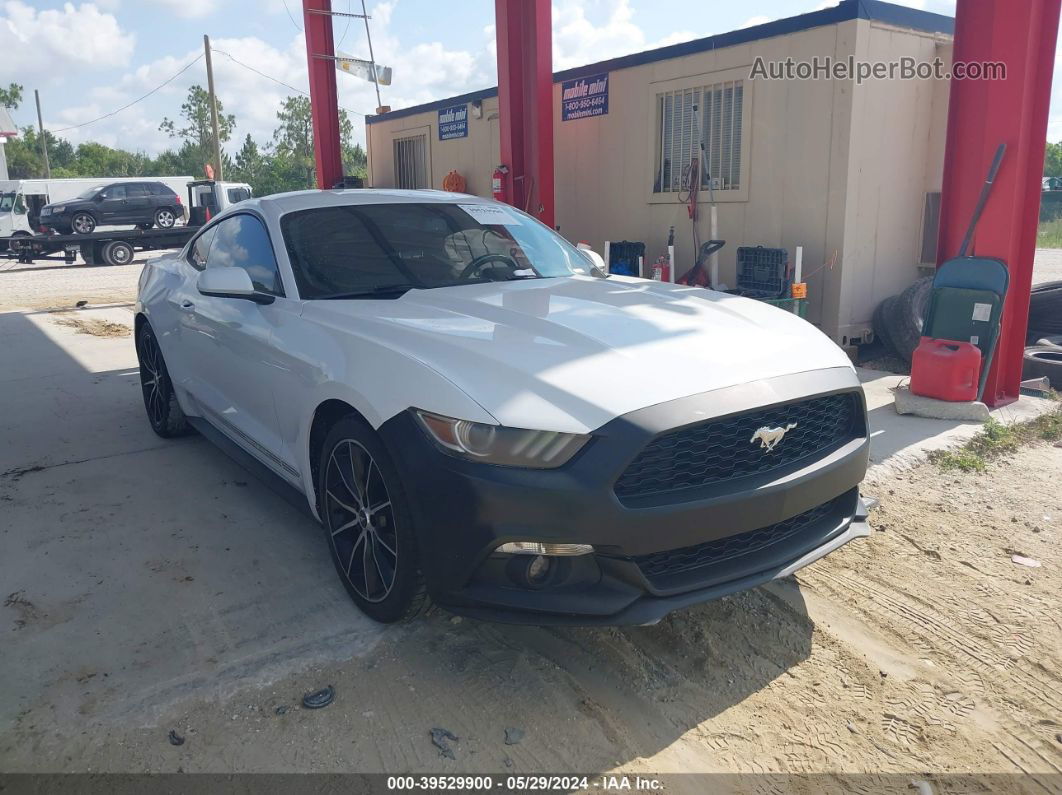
<point x="145" y="204"/>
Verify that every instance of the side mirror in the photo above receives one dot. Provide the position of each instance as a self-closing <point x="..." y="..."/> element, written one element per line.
<point x="99" y="197"/>
<point x="596" y="259"/>
<point x="230" y="283"/>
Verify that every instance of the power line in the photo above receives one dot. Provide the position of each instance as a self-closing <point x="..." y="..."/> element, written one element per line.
<point x="293" y="22"/>
<point x="275" y="80"/>
<point x="168" y="80"/>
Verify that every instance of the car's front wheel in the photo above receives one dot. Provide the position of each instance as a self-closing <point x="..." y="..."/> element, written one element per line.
<point x="368" y="525"/>
<point x="165" y="218"/>
<point x="83" y="224"/>
<point x="164" y="413"/>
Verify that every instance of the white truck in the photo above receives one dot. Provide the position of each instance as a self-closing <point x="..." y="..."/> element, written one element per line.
<point x="21" y="200"/>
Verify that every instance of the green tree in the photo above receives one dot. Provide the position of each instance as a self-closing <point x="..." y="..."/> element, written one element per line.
<point x="293" y="143"/>
<point x="196" y="133"/>
<point x="249" y="161"/>
<point x="1053" y="160"/>
<point x="11" y="97"/>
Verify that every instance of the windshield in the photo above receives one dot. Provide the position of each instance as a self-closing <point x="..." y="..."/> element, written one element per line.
<point x="358" y="249"/>
<point x="7" y="201"/>
<point x="90" y="192"/>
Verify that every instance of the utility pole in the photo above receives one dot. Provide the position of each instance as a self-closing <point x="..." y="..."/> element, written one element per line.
<point x="44" y="141"/>
<point x="372" y="58"/>
<point x="213" y="110"/>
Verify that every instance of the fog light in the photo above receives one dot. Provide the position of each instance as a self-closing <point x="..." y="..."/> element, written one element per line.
<point x="536" y="548"/>
<point x="537" y="569"/>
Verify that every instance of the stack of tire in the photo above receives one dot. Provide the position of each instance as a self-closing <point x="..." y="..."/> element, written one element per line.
<point x="898" y="322"/>
<point x="898" y="319"/>
<point x="1043" y="358"/>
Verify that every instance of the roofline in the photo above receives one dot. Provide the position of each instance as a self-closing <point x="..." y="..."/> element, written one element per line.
<point x="845" y="11"/>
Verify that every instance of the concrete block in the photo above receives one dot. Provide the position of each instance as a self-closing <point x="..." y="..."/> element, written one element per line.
<point x="909" y="403"/>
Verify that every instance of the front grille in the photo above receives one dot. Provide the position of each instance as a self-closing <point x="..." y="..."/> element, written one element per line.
<point x="723" y="449"/>
<point x="676" y="561"/>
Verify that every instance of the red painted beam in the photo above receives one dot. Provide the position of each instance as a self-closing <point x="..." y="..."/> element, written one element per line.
<point x="981" y="115"/>
<point x="324" y="102"/>
<point x="525" y="103"/>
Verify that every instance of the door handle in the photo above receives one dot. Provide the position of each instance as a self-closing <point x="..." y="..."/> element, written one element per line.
<point x="187" y="305"/>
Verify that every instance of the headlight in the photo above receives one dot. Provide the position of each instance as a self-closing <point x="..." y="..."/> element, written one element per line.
<point x="57" y="209"/>
<point x="496" y="444"/>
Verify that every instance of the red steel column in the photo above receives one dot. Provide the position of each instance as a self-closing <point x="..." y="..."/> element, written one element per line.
<point x="525" y="102"/>
<point x="981" y="115"/>
<point x="324" y="103"/>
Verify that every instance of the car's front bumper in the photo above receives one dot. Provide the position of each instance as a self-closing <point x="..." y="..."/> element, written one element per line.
<point x="779" y="520"/>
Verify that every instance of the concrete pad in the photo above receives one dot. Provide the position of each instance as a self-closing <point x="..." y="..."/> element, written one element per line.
<point x="138" y="570"/>
<point x="900" y="441"/>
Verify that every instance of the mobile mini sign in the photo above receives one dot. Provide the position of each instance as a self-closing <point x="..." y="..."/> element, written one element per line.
<point x="586" y="96"/>
<point x="453" y="122"/>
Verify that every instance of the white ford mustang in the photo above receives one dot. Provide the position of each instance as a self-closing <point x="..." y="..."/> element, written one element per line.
<point x="479" y="416"/>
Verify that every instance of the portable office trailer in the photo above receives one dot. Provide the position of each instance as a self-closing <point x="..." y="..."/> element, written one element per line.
<point x="848" y="169"/>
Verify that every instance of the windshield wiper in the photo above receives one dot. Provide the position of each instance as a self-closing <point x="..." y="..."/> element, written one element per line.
<point x="380" y="291"/>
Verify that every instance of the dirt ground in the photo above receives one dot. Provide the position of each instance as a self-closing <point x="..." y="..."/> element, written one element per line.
<point x="921" y="648"/>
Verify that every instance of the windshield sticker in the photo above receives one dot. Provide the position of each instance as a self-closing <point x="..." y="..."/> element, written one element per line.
<point x="489" y="215"/>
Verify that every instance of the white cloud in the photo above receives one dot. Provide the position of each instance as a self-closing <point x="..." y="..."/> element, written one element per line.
<point x="50" y="45"/>
<point x="189" y="9"/>
<point x="752" y="22"/>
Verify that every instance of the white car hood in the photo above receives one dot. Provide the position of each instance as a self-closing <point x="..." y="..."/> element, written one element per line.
<point x="570" y="354"/>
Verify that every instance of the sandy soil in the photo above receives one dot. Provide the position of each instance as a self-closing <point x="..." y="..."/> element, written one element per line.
<point x="923" y="647"/>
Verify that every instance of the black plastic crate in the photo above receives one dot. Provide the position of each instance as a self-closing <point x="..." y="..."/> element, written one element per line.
<point x="623" y="257"/>
<point x="762" y="272"/>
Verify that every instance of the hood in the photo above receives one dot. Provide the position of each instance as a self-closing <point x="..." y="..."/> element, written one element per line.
<point x="571" y="354"/>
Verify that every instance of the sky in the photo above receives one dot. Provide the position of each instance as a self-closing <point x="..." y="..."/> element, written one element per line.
<point x="90" y="58"/>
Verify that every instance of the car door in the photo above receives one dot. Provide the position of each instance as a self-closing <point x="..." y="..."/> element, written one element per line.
<point x="228" y="344"/>
<point x="111" y="204"/>
<point x="139" y="203"/>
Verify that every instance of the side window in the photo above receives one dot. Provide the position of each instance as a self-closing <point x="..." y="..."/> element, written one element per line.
<point x="242" y="242"/>
<point x="114" y="192"/>
<point x="137" y="190"/>
<point x="238" y="195"/>
<point x="197" y="254"/>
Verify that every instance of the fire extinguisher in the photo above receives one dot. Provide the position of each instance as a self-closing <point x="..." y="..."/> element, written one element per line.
<point x="498" y="184"/>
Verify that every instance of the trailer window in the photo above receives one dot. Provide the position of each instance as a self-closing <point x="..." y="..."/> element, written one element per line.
<point x="709" y="116"/>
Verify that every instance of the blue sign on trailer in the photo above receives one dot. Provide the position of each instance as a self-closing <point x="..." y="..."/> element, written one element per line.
<point x="453" y="122"/>
<point x="585" y="96"/>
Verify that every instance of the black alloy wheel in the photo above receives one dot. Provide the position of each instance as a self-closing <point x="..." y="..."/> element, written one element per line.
<point x="368" y="527"/>
<point x="160" y="402"/>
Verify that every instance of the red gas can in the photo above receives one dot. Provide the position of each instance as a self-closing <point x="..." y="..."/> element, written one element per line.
<point x="945" y="369"/>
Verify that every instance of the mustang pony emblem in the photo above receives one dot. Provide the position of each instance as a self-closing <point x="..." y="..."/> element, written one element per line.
<point x="770" y="437"/>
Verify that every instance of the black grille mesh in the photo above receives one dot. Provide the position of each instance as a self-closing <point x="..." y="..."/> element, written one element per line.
<point x="674" y="561"/>
<point x="719" y="450"/>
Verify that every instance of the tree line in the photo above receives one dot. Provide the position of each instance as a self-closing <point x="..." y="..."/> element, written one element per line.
<point x="286" y="162"/>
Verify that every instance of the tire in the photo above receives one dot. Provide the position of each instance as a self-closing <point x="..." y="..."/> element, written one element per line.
<point x="1045" y="308"/>
<point x="117" y="252"/>
<point x="160" y="402"/>
<point x="355" y="468"/>
<point x="165" y="218"/>
<point x="907" y="315"/>
<point x="82" y="224"/>
<point x="881" y="326"/>
<point x="1043" y="361"/>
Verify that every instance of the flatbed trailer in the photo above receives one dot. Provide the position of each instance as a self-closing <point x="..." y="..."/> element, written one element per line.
<point x="115" y="247"/>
